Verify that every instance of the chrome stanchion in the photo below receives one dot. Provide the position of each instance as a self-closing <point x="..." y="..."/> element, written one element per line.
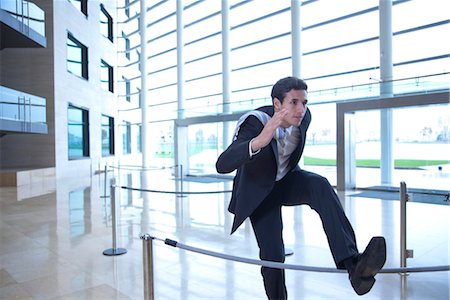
<point x="114" y="251"/>
<point x="147" y="245"/>
<point x="404" y="253"/>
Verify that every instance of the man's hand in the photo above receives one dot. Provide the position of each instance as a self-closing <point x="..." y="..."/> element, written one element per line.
<point x="266" y="135"/>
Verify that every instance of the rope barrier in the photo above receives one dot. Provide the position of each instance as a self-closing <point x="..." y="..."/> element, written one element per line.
<point x="278" y="265"/>
<point x="171" y="192"/>
<point x="139" y="168"/>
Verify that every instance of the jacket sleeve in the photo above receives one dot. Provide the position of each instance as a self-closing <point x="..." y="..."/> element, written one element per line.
<point x="237" y="153"/>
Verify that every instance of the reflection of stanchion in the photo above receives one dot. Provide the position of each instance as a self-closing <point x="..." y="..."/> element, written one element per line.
<point x="403" y="286"/>
<point x="180" y="177"/>
<point x="147" y="244"/>
<point x="114" y="251"/>
<point x="404" y="253"/>
<point x="104" y="187"/>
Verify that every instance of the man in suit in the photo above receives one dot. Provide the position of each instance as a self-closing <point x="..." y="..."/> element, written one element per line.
<point x="265" y="151"/>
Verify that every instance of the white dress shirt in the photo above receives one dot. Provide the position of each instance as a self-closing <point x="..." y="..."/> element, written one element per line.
<point x="286" y="144"/>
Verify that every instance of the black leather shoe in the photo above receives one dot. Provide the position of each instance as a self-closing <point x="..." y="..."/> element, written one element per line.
<point x="367" y="265"/>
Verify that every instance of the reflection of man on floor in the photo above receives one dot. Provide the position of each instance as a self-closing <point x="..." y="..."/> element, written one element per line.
<point x="266" y="149"/>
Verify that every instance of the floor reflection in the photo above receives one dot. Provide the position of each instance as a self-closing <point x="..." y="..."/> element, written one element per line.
<point x="51" y="245"/>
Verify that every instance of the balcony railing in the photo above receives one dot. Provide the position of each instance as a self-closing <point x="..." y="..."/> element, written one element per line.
<point x="27" y="13"/>
<point x="21" y="108"/>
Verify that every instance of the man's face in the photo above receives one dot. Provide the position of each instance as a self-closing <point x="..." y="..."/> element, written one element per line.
<point x="295" y="104"/>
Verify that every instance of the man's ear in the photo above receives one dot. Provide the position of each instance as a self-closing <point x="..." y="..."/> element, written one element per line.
<point x="277" y="104"/>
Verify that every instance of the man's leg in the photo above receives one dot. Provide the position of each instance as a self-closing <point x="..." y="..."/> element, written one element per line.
<point x="268" y="226"/>
<point x="303" y="187"/>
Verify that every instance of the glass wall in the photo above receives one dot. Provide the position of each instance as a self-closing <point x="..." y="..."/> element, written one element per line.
<point x="340" y="61"/>
<point x="203" y="147"/>
<point x="421" y="149"/>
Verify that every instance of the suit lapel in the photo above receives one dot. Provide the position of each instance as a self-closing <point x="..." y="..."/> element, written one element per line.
<point x="273" y="143"/>
<point x="295" y="157"/>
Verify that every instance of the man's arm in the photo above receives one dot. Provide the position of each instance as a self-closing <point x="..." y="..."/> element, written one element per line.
<point x="266" y="135"/>
<point x="238" y="152"/>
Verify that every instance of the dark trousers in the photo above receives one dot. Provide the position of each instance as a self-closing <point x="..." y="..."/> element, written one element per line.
<point x="299" y="187"/>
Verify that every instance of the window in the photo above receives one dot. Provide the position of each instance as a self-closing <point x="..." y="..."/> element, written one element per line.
<point x="127" y="89"/>
<point x="139" y="139"/>
<point x="106" y="76"/>
<point x="81" y="5"/>
<point x="78" y="131"/>
<point x="77" y="57"/>
<point x="126" y="137"/>
<point x="127" y="8"/>
<point x="107" y="136"/>
<point x="106" y="23"/>
<point x="127" y="45"/>
<point x="139" y="97"/>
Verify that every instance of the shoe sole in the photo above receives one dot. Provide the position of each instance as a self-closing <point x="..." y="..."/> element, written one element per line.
<point x="363" y="285"/>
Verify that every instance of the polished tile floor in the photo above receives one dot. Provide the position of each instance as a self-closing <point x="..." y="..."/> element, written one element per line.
<point x="51" y="244"/>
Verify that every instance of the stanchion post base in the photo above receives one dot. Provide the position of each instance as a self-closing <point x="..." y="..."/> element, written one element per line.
<point x="114" y="251"/>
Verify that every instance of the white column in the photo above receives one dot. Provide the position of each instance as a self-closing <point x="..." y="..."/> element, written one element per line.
<point x="180" y="59"/>
<point x="226" y="67"/>
<point x="143" y="95"/>
<point x="144" y="113"/>
<point x="296" y="37"/>
<point x="226" y="70"/>
<point x="181" y="136"/>
<point x="386" y="90"/>
<point x="350" y="150"/>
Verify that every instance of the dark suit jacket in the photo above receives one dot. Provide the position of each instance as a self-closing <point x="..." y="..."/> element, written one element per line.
<point x="255" y="177"/>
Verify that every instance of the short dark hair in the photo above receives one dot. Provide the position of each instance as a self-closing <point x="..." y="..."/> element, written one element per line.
<point x="284" y="85"/>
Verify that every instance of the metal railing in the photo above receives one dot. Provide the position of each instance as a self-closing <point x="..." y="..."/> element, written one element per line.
<point x="20" y="106"/>
<point x="28" y="13"/>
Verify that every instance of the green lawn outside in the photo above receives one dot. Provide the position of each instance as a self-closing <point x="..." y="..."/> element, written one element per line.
<point x="399" y="163"/>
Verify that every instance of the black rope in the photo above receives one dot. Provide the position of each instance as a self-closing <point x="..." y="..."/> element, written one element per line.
<point x="171" y="192"/>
